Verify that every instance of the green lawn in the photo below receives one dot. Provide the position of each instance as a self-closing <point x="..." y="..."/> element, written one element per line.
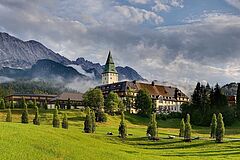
<point x="26" y="141"/>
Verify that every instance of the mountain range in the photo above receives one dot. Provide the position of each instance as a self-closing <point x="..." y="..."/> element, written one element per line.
<point x="30" y="59"/>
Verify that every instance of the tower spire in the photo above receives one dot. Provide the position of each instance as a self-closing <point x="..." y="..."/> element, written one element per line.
<point x="110" y="66"/>
<point x="109" y="74"/>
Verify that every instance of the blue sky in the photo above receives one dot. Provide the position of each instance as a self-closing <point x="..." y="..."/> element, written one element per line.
<point x="178" y="41"/>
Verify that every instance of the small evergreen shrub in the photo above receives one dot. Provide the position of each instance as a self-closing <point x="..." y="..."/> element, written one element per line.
<point x="188" y="129"/>
<point x="9" y="115"/>
<point x="36" y="120"/>
<point x="65" y="122"/>
<point x="213" y="126"/>
<point x="56" y="121"/>
<point x="220" y="129"/>
<point x="182" y="128"/>
<point x="25" y="113"/>
<point x="122" y="127"/>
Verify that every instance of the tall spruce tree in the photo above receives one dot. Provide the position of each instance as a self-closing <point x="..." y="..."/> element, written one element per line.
<point x="122" y="127"/>
<point x="152" y="127"/>
<point x="25" y="112"/>
<point x="88" y="121"/>
<point x="213" y="126"/>
<point x="36" y="120"/>
<point x="188" y="129"/>
<point x="56" y="121"/>
<point x="9" y="115"/>
<point x="220" y="129"/>
<point x="238" y="101"/>
<point x="182" y="128"/>
<point x="65" y="122"/>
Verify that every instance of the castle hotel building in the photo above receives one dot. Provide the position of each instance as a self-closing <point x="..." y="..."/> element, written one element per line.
<point x="166" y="99"/>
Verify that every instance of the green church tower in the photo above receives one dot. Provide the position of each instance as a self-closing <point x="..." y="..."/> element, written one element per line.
<point x="109" y="74"/>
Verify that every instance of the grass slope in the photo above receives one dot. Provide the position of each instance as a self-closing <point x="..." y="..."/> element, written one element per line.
<point x="26" y="141"/>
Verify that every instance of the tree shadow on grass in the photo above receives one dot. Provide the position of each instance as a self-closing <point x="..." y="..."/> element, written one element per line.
<point x="164" y="146"/>
<point x="75" y="119"/>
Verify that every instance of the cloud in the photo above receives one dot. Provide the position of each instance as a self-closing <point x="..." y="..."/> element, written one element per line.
<point x="205" y="48"/>
<point x="162" y="5"/>
<point x="139" y="15"/>
<point x="234" y="3"/>
<point x="139" y="1"/>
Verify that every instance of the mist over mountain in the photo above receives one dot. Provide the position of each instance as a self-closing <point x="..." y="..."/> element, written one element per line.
<point x="28" y="59"/>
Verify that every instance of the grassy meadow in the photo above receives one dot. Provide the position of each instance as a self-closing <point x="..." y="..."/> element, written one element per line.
<point x="26" y="141"/>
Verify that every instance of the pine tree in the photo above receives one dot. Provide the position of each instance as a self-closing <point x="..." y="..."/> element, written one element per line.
<point x="182" y="128"/>
<point x="9" y="115"/>
<point x="88" y="122"/>
<point x="25" y="113"/>
<point x="122" y="127"/>
<point x="56" y="121"/>
<point x="188" y="128"/>
<point x="152" y="127"/>
<point x="238" y="101"/>
<point x="220" y="129"/>
<point x="36" y="120"/>
<point x="213" y="126"/>
<point x="65" y="122"/>
<point x="93" y="119"/>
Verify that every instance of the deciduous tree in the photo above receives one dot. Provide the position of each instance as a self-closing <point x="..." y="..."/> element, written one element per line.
<point x="144" y="102"/>
<point x="111" y="103"/>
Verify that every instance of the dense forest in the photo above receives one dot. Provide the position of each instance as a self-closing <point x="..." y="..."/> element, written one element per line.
<point x="32" y="87"/>
<point x="205" y="102"/>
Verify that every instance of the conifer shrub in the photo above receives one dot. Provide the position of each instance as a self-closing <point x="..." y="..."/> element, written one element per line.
<point x="213" y="126"/>
<point x="152" y="127"/>
<point x="65" y="122"/>
<point x="36" y="120"/>
<point x="25" y="113"/>
<point x="122" y="127"/>
<point x="9" y="115"/>
<point x="56" y="121"/>
<point x="182" y="128"/>
<point x="220" y="131"/>
<point x="88" y="121"/>
<point x="188" y="129"/>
